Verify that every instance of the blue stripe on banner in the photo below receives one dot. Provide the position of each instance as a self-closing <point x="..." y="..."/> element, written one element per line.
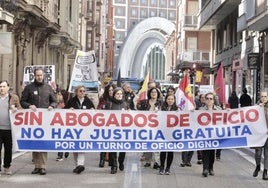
<point x="61" y="145"/>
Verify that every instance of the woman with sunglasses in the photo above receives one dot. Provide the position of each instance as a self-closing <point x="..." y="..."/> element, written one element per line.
<point x="208" y="156"/>
<point x="79" y="101"/>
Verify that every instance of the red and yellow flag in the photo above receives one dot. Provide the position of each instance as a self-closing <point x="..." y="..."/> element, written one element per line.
<point x="184" y="95"/>
<point x="142" y="94"/>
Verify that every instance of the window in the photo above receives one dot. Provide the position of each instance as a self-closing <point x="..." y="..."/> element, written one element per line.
<point x="163" y="14"/>
<point x="172" y="14"/>
<point x="120" y="11"/>
<point x="120" y="1"/>
<point x="143" y="13"/>
<point x="192" y="43"/>
<point x="134" y="12"/>
<point x="152" y="13"/>
<point x="163" y="3"/>
<point x="153" y="3"/>
<point x="120" y="24"/>
<point x="144" y="2"/>
<point x="172" y="3"/>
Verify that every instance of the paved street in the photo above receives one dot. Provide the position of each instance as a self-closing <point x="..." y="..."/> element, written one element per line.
<point x="234" y="170"/>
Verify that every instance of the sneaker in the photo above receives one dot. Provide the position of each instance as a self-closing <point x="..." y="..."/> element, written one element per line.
<point x="161" y="171"/>
<point x="167" y="171"/>
<point x="199" y="162"/>
<point x="7" y="171"/>
<point x="218" y="158"/>
<point x="59" y="159"/>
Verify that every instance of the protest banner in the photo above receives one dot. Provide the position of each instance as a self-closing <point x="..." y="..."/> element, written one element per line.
<point x="105" y="130"/>
<point x="84" y="72"/>
<point x="49" y="74"/>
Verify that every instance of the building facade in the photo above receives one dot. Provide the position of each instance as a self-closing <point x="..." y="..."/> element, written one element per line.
<point x="237" y="41"/>
<point x="194" y="45"/>
<point x="141" y="28"/>
<point x="42" y="33"/>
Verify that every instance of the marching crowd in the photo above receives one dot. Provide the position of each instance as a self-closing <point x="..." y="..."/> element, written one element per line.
<point x="40" y="95"/>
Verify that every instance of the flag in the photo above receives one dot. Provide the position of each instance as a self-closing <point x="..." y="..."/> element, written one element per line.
<point x="184" y="95"/>
<point x="142" y="94"/>
<point x="119" y="79"/>
<point x="219" y="85"/>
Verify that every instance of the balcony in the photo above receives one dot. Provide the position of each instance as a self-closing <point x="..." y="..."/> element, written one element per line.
<point x="6" y="17"/>
<point x="190" y="21"/>
<point x="214" y="11"/>
<point x="259" y="19"/>
<point x="241" y="20"/>
<point x="195" y="56"/>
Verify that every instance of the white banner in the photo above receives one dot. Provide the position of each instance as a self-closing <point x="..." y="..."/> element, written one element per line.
<point x="85" y="72"/>
<point x="49" y="74"/>
<point x="101" y="130"/>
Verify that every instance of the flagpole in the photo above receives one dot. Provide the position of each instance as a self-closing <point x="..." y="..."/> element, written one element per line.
<point x="193" y="71"/>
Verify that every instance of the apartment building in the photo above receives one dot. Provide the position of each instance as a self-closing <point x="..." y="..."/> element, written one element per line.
<point x="194" y="45"/>
<point x="239" y="37"/>
<point x="141" y="28"/>
<point x="41" y="33"/>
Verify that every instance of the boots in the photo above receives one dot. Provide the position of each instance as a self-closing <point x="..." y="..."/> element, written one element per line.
<point x="102" y="156"/>
<point x="256" y="171"/>
<point x="264" y="175"/>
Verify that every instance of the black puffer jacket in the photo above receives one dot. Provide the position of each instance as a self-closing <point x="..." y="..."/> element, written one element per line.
<point x="39" y="94"/>
<point x="75" y="103"/>
<point x="116" y="105"/>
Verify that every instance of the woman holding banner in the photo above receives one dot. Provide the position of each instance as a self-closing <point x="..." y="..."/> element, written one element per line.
<point x="105" y="98"/>
<point x="117" y="103"/>
<point x="209" y="155"/>
<point x="79" y="101"/>
<point x="152" y="103"/>
<point x="258" y="151"/>
<point x="168" y="105"/>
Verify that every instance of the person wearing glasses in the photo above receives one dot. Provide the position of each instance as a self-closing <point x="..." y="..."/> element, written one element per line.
<point x="38" y="95"/>
<point x="258" y="151"/>
<point x="208" y="156"/>
<point x="8" y="102"/>
<point x="82" y="102"/>
<point x="117" y="103"/>
<point x="105" y="98"/>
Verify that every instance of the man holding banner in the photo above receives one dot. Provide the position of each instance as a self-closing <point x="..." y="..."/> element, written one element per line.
<point x="38" y="95"/>
<point x="258" y="150"/>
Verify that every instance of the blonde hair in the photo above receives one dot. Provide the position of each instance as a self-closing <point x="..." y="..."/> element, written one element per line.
<point x="79" y="87"/>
